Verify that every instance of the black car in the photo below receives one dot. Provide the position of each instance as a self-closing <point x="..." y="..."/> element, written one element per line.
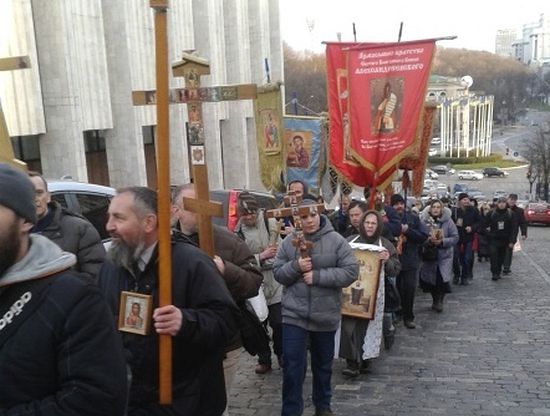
<point x="228" y="198"/>
<point x="488" y="172"/>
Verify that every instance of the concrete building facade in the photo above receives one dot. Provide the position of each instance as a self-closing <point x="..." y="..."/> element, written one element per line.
<point x="72" y="113"/>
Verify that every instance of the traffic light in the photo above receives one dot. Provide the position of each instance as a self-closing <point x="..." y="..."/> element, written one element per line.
<point x="529" y="174"/>
<point x="507" y="150"/>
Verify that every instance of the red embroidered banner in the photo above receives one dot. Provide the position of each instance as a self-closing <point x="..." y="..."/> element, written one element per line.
<point x="339" y="133"/>
<point x="387" y="88"/>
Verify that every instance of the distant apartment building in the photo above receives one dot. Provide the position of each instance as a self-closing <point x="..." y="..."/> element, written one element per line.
<point x="504" y="42"/>
<point x="532" y="47"/>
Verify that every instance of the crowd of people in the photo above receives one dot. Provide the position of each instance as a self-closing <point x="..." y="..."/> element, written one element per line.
<point x="75" y="337"/>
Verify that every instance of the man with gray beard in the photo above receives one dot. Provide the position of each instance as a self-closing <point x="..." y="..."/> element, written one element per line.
<point x="200" y="319"/>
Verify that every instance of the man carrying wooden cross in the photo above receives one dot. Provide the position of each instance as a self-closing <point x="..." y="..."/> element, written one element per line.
<point x="313" y="272"/>
<point x="199" y="319"/>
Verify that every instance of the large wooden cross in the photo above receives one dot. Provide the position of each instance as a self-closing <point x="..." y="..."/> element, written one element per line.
<point x="191" y="68"/>
<point x="6" y="149"/>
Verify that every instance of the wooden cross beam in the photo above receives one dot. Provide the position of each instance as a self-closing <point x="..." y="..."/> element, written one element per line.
<point x="6" y="149"/>
<point x="191" y="68"/>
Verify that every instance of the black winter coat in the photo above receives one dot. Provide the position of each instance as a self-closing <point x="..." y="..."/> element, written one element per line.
<point x="198" y="349"/>
<point x="417" y="233"/>
<point x="466" y="218"/>
<point x="502" y="226"/>
<point x="75" y="234"/>
<point x="66" y="358"/>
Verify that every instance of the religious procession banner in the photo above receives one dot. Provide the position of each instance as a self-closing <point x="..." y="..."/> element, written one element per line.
<point x="340" y="156"/>
<point x="268" y="111"/>
<point x="304" y="141"/>
<point x="387" y="90"/>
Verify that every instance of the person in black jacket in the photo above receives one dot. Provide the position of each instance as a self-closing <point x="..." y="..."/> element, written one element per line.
<point x="467" y="221"/>
<point x="522" y="225"/>
<point x="200" y="320"/>
<point x="59" y="350"/>
<point x="234" y="261"/>
<point x="413" y="234"/>
<point x="502" y="234"/>
<point x="70" y="231"/>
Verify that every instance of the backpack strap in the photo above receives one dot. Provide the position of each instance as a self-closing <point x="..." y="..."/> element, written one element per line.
<point x="18" y="302"/>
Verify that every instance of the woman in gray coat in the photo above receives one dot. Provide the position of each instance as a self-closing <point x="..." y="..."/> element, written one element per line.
<point x="437" y="253"/>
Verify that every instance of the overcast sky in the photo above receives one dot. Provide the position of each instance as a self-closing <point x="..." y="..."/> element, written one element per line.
<point x="474" y="22"/>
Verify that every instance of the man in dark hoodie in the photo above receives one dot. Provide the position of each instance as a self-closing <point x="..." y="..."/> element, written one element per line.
<point x="59" y="350"/>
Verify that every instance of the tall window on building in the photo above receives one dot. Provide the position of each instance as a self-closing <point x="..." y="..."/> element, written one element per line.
<point x="96" y="157"/>
<point x="149" y="135"/>
<point x="27" y="149"/>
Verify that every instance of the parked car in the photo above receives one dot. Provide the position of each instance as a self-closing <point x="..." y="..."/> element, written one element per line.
<point x="489" y="172"/>
<point x="469" y="175"/>
<point x="477" y="195"/>
<point x="537" y="212"/>
<point x="443" y="170"/>
<point x="228" y="198"/>
<point x="87" y="199"/>
<point x="436" y="141"/>
<point x="460" y="187"/>
<point x="431" y="174"/>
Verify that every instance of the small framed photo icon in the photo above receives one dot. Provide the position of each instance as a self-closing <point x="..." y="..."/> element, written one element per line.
<point x="135" y="313"/>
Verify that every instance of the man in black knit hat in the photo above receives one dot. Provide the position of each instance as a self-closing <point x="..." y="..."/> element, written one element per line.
<point x="59" y="350"/>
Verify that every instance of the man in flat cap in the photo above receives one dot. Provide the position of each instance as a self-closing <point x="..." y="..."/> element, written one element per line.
<point x="59" y="351"/>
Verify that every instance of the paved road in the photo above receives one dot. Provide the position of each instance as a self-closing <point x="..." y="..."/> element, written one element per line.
<point x="487" y="354"/>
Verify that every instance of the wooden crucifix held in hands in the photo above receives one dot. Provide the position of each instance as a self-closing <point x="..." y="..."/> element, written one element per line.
<point x="294" y="210"/>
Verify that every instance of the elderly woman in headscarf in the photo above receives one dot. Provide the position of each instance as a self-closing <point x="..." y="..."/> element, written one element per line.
<point x="437" y="252"/>
<point x="353" y="330"/>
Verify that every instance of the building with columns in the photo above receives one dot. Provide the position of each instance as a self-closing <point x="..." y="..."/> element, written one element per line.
<point x="71" y="113"/>
<point x="464" y="120"/>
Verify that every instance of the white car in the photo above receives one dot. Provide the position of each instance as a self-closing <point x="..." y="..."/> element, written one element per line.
<point x="431" y="174"/>
<point x="469" y="175"/>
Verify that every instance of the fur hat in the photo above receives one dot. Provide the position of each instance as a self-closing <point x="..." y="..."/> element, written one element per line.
<point x="17" y="193"/>
<point x="246" y="203"/>
<point x="395" y="198"/>
<point x="502" y="199"/>
<point x="462" y="195"/>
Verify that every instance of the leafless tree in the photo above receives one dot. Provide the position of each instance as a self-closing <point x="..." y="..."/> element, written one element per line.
<point x="537" y="151"/>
